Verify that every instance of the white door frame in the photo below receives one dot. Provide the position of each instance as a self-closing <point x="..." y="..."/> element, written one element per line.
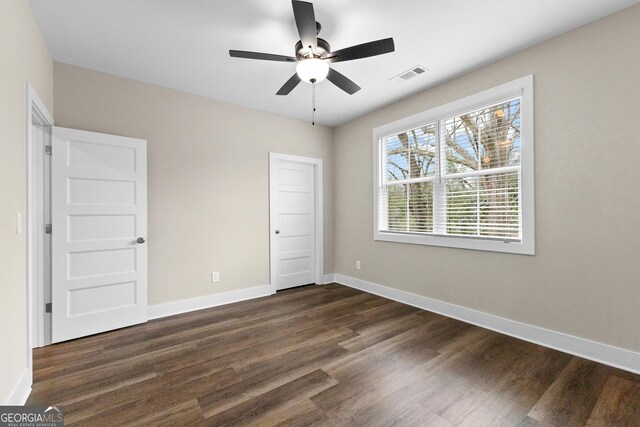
<point x="35" y="191"/>
<point x="318" y="207"/>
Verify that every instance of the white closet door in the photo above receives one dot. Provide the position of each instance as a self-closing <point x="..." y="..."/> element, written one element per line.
<point x="292" y="196"/>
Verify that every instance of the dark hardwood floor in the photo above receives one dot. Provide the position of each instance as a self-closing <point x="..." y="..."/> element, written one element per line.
<point x="325" y="355"/>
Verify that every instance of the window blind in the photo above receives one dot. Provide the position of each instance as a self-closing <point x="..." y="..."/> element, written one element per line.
<point x="457" y="176"/>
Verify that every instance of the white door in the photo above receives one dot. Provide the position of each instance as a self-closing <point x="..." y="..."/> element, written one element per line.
<point x="292" y="210"/>
<point x="99" y="227"/>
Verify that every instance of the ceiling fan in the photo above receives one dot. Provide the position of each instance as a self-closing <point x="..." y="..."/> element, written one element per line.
<point x="313" y="54"/>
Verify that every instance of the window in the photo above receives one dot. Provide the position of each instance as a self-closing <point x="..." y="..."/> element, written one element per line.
<point x="460" y="175"/>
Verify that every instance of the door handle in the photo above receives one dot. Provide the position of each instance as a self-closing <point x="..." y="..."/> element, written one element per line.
<point x="277" y="231"/>
<point x="140" y="240"/>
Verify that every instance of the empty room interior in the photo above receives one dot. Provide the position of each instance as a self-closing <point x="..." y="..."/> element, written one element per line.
<point x="371" y="213"/>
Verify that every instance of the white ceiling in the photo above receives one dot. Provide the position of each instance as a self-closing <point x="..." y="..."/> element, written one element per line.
<point x="183" y="44"/>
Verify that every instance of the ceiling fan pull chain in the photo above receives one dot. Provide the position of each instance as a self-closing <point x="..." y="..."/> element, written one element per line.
<point x="313" y="102"/>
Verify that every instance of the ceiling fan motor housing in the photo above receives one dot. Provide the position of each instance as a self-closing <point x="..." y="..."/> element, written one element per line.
<point x="321" y="52"/>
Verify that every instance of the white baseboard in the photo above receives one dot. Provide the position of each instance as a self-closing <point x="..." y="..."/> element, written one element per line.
<point x="22" y="390"/>
<point x="598" y="352"/>
<point x="327" y="278"/>
<point x="207" y="301"/>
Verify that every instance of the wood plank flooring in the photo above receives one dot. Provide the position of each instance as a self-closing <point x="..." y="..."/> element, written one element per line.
<point x="330" y="356"/>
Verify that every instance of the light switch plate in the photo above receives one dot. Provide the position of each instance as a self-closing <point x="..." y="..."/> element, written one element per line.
<point x="18" y="223"/>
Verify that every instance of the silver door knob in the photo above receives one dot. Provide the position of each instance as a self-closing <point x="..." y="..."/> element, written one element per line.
<point x="140" y="240"/>
<point x="277" y="231"/>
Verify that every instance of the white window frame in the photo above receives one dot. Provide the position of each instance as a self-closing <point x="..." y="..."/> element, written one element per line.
<point x="523" y="88"/>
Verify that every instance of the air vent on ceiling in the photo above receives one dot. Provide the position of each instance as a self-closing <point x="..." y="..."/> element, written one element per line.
<point x="410" y="73"/>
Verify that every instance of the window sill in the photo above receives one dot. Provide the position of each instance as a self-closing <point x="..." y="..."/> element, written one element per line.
<point x="524" y="247"/>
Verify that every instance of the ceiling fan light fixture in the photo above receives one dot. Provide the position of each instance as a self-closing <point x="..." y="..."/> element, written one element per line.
<point x="312" y="70"/>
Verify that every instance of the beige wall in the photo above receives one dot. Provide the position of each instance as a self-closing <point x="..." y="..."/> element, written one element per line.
<point x="584" y="278"/>
<point x="23" y="57"/>
<point x="208" y="176"/>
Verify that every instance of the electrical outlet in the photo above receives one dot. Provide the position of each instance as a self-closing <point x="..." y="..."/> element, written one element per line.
<point x="357" y="265"/>
<point x="215" y="277"/>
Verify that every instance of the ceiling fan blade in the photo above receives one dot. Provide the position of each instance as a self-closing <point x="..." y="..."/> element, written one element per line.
<point x="306" y="23"/>
<point x="342" y="82"/>
<point x="260" y="55"/>
<point x="364" y="50"/>
<point x="289" y="85"/>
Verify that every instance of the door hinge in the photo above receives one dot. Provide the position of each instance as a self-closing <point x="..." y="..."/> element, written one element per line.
<point x="47" y="149"/>
<point x="47" y="228"/>
<point x="47" y="307"/>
